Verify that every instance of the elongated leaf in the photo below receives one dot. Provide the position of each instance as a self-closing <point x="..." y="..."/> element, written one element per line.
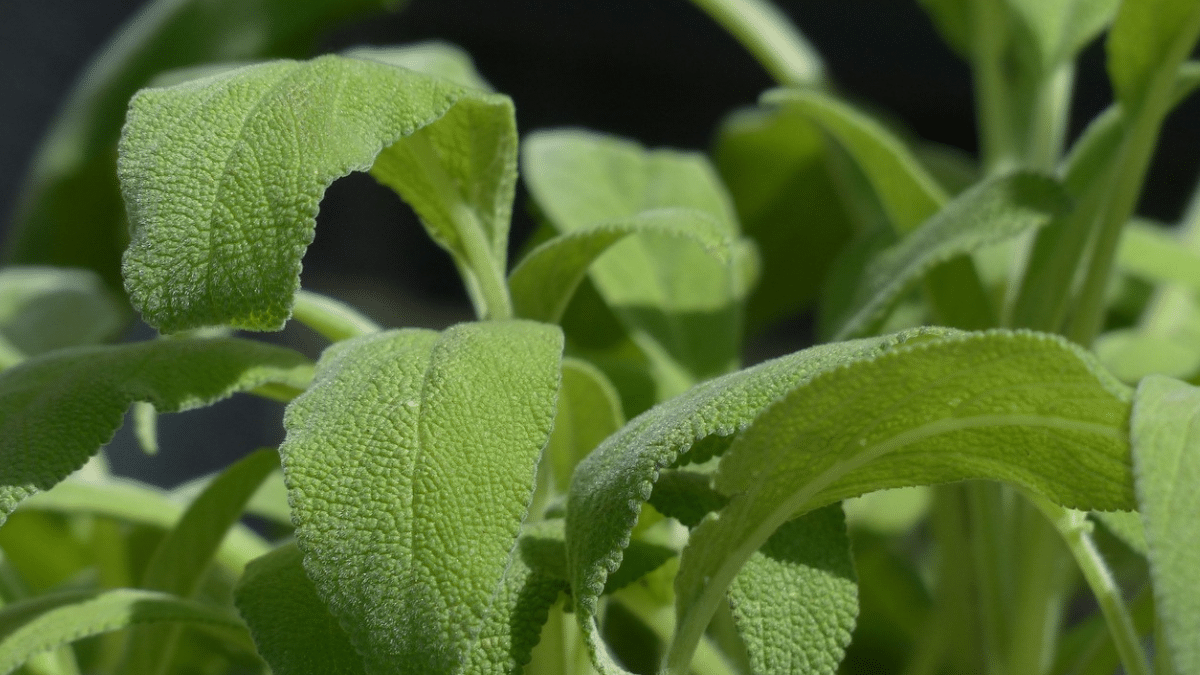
<point x="48" y="308"/>
<point x="94" y="386"/>
<point x="795" y="600"/>
<point x="292" y="628"/>
<point x="678" y="302"/>
<point x="222" y="211"/>
<point x="986" y="214"/>
<point x="1148" y="41"/>
<point x="410" y="464"/>
<point x="45" y="622"/>
<point x="1023" y="408"/>
<point x="771" y="37"/>
<point x="1166" y="460"/>
<point x="71" y="211"/>
<point x="611" y="484"/>
<point x="1061" y="28"/>
<point x="544" y="281"/>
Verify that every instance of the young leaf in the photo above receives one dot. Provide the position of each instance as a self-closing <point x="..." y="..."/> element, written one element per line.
<point x="48" y="621"/>
<point x="1146" y="44"/>
<point x="1023" y="408"/>
<point x="410" y="464"/>
<point x="1166" y="461"/>
<point x="544" y="281"/>
<point x="611" y="484"/>
<point x="221" y="212"/>
<point x="1061" y="28"/>
<point x="46" y="308"/>
<point x="795" y="600"/>
<point x="292" y="628"/>
<point x="986" y="214"/>
<point x="94" y="386"/>
<point x="588" y="411"/>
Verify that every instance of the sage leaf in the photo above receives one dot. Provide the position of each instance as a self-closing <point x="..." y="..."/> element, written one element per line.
<point x="222" y="212"/>
<point x="1148" y="41"/>
<point x="292" y="629"/>
<point x="47" y="308"/>
<point x="31" y="626"/>
<point x="94" y="386"/>
<point x="445" y="60"/>
<point x="410" y="465"/>
<point x="1166" y="462"/>
<point x="1061" y="28"/>
<point x="988" y="213"/>
<point x="1024" y="408"/>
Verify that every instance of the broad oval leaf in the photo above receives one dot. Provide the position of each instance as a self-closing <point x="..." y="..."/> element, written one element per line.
<point x="223" y="176"/>
<point x="1166" y="461"/>
<point x="410" y="466"/>
<point x="1024" y="408"/>
<point x="94" y="386"/>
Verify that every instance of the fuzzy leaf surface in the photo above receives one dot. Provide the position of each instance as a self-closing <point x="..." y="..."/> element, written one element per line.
<point x="410" y="465"/>
<point x="94" y="386"/>
<point x="1166" y="461"/>
<point x="223" y="176"/>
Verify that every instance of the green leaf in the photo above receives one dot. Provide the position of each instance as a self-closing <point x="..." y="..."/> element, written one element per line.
<point x="410" y="464"/>
<point x="954" y="20"/>
<point x="94" y="386"/>
<point x="611" y="484"/>
<point x="1150" y="253"/>
<point x="544" y="281"/>
<point x="435" y="57"/>
<point x="1063" y="27"/>
<point x="274" y="137"/>
<point x="46" y="308"/>
<point x="991" y="212"/>
<point x="795" y="600"/>
<point x="1028" y="409"/>
<point x="71" y="211"/>
<point x="771" y="37"/>
<point x="775" y="166"/>
<point x="292" y="628"/>
<point x="1166" y="462"/>
<point x="331" y="318"/>
<point x="678" y="302"/>
<point x="48" y="621"/>
<point x="1148" y="41"/>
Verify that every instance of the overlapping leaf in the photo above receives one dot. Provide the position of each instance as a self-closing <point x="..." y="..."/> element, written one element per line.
<point x="410" y="465"/>
<point x="48" y="308"/>
<point x="94" y="386"/>
<point x="223" y="176"/>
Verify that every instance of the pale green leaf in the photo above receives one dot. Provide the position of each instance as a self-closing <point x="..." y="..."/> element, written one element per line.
<point x="438" y="58"/>
<point x="679" y="303"/>
<point x="48" y="621"/>
<point x="771" y="37"/>
<point x="955" y="21"/>
<point x="221" y="211"/>
<point x="1148" y="41"/>
<point x="1128" y="527"/>
<point x="1023" y="408"/>
<point x="1166" y="461"/>
<point x="1062" y="27"/>
<point x="1153" y="254"/>
<point x="796" y="598"/>
<point x="292" y="628"/>
<point x="1132" y="354"/>
<point x="611" y="484"/>
<point x="544" y="281"/>
<point x="48" y="308"/>
<point x="410" y="464"/>
<point x="990" y="212"/>
<point x="94" y="386"/>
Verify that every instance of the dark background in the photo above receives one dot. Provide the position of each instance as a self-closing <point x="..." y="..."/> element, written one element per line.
<point x="658" y="71"/>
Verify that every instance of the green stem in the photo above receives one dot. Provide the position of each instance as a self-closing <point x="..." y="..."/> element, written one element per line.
<point x="1048" y="117"/>
<point x="660" y="618"/>
<point x="987" y="552"/>
<point x="992" y="91"/>
<point x="771" y="38"/>
<point x="1075" y="530"/>
<point x="331" y="318"/>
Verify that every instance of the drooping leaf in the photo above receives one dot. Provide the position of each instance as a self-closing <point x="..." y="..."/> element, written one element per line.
<point x="986" y="214"/>
<point x="292" y="628"/>
<point x="71" y="212"/>
<point x="410" y="464"/>
<point x="1022" y="408"/>
<point x="1166" y="461"/>
<point x="678" y="302"/>
<point x="94" y="386"/>
<point x="48" y="308"/>
<point x="221" y="212"/>
<point x="795" y="600"/>
<point x="48" y="621"/>
<point x="1147" y="43"/>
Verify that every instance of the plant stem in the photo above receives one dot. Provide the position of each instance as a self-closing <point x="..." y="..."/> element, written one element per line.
<point x="987" y="552"/>
<point x="331" y="318"/>
<point x="771" y="37"/>
<point x="660" y="618"/>
<point x="992" y="92"/>
<point x="1075" y="530"/>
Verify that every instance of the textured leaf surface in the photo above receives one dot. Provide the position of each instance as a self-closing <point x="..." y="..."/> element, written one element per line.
<point x="410" y="464"/>
<point x="679" y="302"/>
<point x="292" y="628"/>
<point x="1024" y="408"/>
<point x="94" y="386"/>
<point x="45" y="622"/>
<point x="795" y="600"/>
<point x="611" y="484"/>
<point x="988" y="213"/>
<point x="222" y="210"/>
<point x="1166" y="460"/>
